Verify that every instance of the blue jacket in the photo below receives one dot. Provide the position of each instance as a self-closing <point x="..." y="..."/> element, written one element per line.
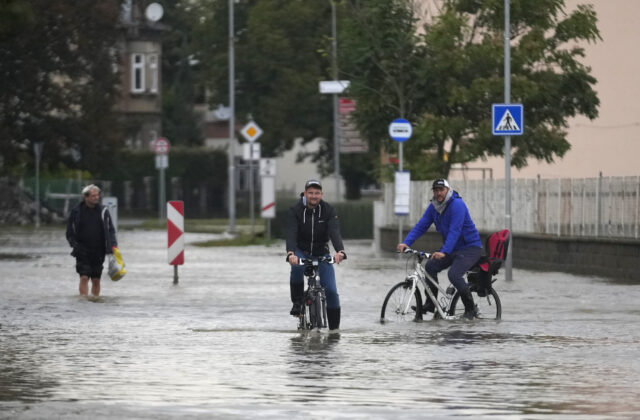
<point x="454" y="224"/>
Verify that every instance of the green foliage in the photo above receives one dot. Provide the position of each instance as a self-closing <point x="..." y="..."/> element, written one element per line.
<point x="457" y="65"/>
<point x="194" y="166"/>
<point x="181" y="87"/>
<point x="58" y="84"/>
<point x="277" y="65"/>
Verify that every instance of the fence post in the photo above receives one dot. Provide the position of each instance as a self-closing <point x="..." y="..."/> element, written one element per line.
<point x="570" y="206"/>
<point x="598" y="215"/>
<point x="582" y="228"/>
<point x="559" y="205"/>
<point x="637" y="202"/>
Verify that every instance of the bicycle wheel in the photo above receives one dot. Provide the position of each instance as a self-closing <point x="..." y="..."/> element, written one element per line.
<point x="489" y="306"/>
<point x="401" y="305"/>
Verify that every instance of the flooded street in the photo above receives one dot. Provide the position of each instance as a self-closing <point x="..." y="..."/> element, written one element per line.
<point x="222" y="345"/>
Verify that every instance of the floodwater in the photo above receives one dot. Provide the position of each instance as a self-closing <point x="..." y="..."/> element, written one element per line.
<point x="221" y="344"/>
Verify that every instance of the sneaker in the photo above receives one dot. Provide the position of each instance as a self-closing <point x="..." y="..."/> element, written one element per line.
<point x="296" y="310"/>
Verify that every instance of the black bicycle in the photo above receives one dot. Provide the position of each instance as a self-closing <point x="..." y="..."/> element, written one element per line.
<point x="314" y="313"/>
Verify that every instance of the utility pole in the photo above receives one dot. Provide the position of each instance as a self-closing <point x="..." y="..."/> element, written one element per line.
<point x="507" y="139"/>
<point x="232" y="111"/>
<point x="336" y="129"/>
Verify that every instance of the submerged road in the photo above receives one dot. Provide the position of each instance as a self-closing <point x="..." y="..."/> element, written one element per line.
<point x="222" y="345"/>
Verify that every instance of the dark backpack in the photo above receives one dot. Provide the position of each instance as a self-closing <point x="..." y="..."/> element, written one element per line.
<point x="496" y="247"/>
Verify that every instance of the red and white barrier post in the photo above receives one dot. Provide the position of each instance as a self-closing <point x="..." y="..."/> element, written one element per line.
<point x="175" y="230"/>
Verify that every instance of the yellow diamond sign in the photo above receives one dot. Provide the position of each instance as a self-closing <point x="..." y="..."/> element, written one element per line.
<point x="251" y="131"/>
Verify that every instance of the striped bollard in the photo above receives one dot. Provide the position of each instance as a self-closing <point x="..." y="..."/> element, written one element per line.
<point x="175" y="230"/>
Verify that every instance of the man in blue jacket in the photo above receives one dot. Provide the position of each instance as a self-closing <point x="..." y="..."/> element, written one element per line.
<point x="461" y="247"/>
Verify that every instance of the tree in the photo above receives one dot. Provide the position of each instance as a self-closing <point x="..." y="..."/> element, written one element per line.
<point x="462" y="69"/>
<point x="278" y="65"/>
<point x="382" y="55"/>
<point x="57" y="80"/>
<point x="181" y="86"/>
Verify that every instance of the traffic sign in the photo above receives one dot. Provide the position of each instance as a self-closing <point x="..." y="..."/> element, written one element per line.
<point x="162" y="161"/>
<point x="175" y="230"/>
<point x="400" y="130"/>
<point x="507" y="119"/>
<point x="267" y="167"/>
<point x="161" y="146"/>
<point x="333" y="86"/>
<point x="251" y="131"/>
<point x="251" y="151"/>
<point x="268" y="198"/>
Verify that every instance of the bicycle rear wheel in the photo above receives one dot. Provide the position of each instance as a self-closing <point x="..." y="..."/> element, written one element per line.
<point x="489" y="306"/>
<point x="400" y="305"/>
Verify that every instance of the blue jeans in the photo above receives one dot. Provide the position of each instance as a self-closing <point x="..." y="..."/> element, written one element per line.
<point x="460" y="262"/>
<point x="327" y="280"/>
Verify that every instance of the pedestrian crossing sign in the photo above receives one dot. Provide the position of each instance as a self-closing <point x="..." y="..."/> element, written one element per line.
<point x="507" y="119"/>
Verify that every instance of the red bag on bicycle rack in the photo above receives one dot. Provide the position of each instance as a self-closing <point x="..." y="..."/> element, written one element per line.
<point x="496" y="246"/>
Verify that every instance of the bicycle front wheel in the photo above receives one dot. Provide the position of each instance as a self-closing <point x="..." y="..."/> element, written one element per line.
<point x="489" y="306"/>
<point x="400" y="305"/>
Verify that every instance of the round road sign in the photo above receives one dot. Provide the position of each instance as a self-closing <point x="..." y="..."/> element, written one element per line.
<point x="400" y="130"/>
<point x="161" y="146"/>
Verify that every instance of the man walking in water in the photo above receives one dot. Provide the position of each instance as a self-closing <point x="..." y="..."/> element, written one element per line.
<point x="91" y="234"/>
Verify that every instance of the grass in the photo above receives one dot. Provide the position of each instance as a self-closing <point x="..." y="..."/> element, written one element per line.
<point x="243" y="226"/>
<point x="240" y="240"/>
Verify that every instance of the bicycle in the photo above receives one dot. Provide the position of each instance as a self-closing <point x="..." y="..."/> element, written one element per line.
<point x="404" y="301"/>
<point x="314" y="313"/>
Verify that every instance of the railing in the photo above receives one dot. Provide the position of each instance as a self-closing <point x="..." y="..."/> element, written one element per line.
<point x="590" y="207"/>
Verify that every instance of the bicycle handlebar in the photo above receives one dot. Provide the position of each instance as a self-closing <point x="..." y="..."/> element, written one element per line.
<point x="310" y="261"/>
<point x="421" y="254"/>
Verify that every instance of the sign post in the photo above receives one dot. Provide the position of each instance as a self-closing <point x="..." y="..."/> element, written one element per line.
<point x="251" y="132"/>
<point x="37" y="150"/>
<point x="175" y="231"/>
<point x="161" y="147"/>
<point x="268" y="190"/>
<point x="400" y="130"/>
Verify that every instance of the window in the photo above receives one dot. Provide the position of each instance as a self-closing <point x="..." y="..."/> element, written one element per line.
<point x="153" y="73"/>
<point x="137" y="73"/>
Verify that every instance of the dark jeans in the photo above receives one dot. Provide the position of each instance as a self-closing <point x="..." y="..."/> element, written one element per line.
<point x="327" y="280"/>
<point x="459" y="262"/>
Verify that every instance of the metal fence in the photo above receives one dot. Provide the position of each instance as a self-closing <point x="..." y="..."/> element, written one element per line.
<point x="590" y="207"/>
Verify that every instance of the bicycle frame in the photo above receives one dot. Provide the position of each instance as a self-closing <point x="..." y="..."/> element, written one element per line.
<point x="421" y="275"/>
<point x="314" y="287"/>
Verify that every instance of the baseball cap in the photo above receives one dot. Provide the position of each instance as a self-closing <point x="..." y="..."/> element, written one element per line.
<point x="440" y="183"/>
<point x="313" y="183"/>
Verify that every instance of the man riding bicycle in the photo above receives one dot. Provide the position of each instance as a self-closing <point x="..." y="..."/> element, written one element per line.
<point x="310" y="224"/>
<point x="461" y="248"/>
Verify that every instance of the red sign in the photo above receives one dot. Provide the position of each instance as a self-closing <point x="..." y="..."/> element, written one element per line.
<point x="175" y="230"/>
<point x="346" y="105"/>
<point x="161" y="146"/>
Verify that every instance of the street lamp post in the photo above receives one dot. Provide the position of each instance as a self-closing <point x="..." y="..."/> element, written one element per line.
<point x="507" y="139"/>
<point x="37" y="150"/>
<point x="232" y="111"/>
<point x="336" y="129"/>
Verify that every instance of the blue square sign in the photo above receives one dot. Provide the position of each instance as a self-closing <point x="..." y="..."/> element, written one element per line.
<point x="507" y="119"/>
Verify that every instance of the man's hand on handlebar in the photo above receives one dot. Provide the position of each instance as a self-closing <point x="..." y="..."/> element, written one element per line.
<point x="292" y="259"/>
<point x="437" y="255"/>
<point x="401" y="247"/>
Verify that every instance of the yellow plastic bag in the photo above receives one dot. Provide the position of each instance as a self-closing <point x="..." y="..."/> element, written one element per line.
<point x="116" y="265"/>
